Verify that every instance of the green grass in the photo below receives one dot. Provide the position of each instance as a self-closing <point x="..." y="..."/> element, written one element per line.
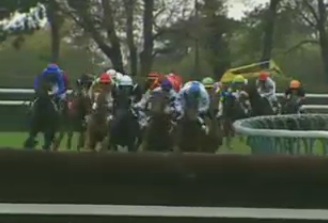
<point x="15" y="140"/>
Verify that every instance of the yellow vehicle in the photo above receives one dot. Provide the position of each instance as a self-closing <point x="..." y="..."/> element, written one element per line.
<point x="251" y="71"/>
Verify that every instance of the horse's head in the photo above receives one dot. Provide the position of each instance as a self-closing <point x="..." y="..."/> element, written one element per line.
<point x="102" y="102"/>
<point x="191" y="108"/>
<point x="159" y="101"/>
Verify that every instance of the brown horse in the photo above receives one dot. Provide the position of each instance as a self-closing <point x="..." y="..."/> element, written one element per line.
<point x="73" y="116"/>
<point x="214" y="138"/>
<point x="97" y="123"/>
<point x="158" y="134"/>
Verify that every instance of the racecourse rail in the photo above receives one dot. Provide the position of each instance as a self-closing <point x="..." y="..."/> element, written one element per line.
<point x="162" y="211"/>
<point x="291" y="134"/>
<point x="31" y="91"/>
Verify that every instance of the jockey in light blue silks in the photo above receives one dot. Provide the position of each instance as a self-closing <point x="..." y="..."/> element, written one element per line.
<point x="194" y="90"/>
<point x="54" y="76"/>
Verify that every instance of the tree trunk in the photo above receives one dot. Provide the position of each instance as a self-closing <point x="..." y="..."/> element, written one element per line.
<point x="269" y="30"/>
<point x="55" y="22"/>
<point x="323" y="35"/>
<point x="146" y="56"/>
<point x="129" y="7"/>
<point x="114" y="53"/>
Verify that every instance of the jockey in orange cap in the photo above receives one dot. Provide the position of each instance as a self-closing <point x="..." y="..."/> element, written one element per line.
<point x="153" y="81"/>
<point x="176" y="81"/>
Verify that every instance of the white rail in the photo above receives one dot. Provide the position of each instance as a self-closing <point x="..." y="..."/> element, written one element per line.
<point x="19" y="91"/>
<point x="242" y="128"/>
<point x="30" y="91"/>
<point x="161" y="211"/>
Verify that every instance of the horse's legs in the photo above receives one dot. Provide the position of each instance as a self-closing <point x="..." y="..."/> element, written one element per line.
<point x="81" y="140"/>
<point x="228" y="133"/>
<point x="59" y="139"/>
<point x="69" y="139"/>
<point x="49" y="136"/>
<point x="176" y="135"/>
<point x="31" y="142"/>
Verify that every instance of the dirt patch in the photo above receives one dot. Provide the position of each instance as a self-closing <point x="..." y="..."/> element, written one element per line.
<point x="166" y="179"/>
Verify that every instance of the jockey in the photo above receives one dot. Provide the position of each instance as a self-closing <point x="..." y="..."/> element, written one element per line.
<point x="176" y="81"/>
<point x="194" y="90"/>
<point x="54" y="76"/>
<point x="125" y="85"/>
<point x="295" y="88"/>
<point x="236" y="89"/>
<point x="153" y="81"/>
<point x="104" y="86"/>
<point x="115" y="75"/>
<point x="167" y="88"/>
<point x="266" y="88"/>
<point x="217" y="87"/>
<point x="238" y="83"/>
<point x="209" y="83"/>
<point x="84" y="82"/>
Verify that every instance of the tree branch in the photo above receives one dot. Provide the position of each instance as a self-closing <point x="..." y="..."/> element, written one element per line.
<point x="312" y="10"/>
<point x="300" y="44"/>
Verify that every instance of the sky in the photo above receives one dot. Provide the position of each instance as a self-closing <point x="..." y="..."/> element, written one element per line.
<point x="237" y="7"/>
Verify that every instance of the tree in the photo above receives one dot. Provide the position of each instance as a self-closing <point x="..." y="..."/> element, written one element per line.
<point x="314" y="14"/>
<point x="216" y="27"/>
<point x="269" y="29"/>
<point x="35" y="11"/>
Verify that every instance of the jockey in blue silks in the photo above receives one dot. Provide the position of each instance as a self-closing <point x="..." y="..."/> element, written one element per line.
<point x="54" y="76"/>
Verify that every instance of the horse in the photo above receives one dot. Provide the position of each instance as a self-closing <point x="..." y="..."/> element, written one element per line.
<point x="158" y="133"/>
<point x="97" y="127"/>
<point x="214" y="138"/>
<point x="44" y="117"/>
<point x="78" y="107"/>
<point x="291" y="105"/>
<point x="188" y="134"/>
<point x="232" y="110"/>
<point x="260" y="105"/>
<point x="124" y="127"/>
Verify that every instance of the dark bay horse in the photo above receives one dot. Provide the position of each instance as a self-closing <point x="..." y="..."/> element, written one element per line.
<point x="214" y="138"/>
<point x="188" y="135"/>
<point x="124" y="127"/>
<point x="260" y="105"/>
<point x="44" y="117"/>
<point x="233" y="109"/>
<point x="158" y="133"/>
<point x="291" y="105"/>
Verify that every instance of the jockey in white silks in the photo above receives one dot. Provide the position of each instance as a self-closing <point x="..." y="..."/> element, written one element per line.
<point x="165" y="87"/>
<point x="194" y="90"/>
<point x="266" y="88"/>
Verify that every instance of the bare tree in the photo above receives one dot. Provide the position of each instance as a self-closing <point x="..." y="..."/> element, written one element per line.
<point x="269" y="29"/>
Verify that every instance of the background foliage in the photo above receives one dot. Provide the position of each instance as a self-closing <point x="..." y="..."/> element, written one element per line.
<point x="195" y="40"/>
